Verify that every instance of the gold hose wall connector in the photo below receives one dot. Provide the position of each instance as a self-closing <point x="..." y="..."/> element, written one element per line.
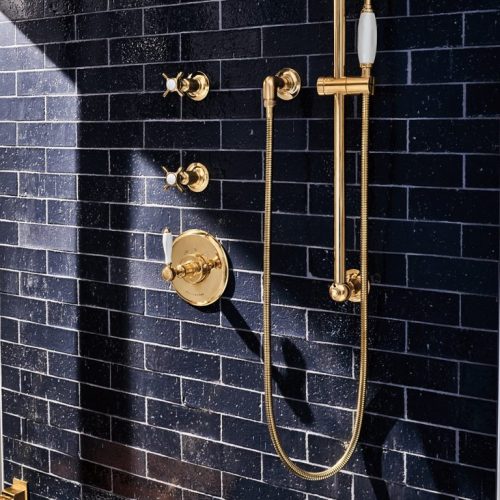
<point x="285" y="84"/>
<point x="346" y="85"/>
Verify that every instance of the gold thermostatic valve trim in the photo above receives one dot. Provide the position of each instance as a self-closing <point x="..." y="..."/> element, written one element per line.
<point x="196" y="85"/>
<point x="195" y="178"/>
<point x="196" y="265"/>
<point x="18" y="491"/>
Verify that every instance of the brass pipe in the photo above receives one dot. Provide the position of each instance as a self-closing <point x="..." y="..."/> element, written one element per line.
<point x="338" y="38"/>
<point x="339" y="191"/>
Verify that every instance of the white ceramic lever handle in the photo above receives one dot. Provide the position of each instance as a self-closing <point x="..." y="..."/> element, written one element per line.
<point x="367" y="38"/>
<point x="168" y="240"/>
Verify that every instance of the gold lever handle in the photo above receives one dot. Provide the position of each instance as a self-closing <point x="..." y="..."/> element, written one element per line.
<point x="194" y="267"/>
<point x="195" y="85"/>
<point x="194" y="270"/>
<point x="195" y="178"/>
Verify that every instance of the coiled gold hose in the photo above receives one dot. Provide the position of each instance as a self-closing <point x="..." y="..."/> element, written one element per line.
<point x="271" y="420"/>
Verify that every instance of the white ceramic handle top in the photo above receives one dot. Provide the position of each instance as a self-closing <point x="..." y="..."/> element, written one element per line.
<point x="367" y="38"/>
<point x="168" y="240"/>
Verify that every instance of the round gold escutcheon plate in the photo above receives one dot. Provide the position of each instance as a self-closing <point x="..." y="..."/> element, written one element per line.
<point x="203" y="177"/>
<point x="292" y="84"/>
<point x="203" y="87"/>
<point x="198" y="290"/>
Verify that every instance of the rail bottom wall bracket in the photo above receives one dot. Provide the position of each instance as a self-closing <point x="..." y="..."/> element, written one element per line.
<point x="18" y="491"/>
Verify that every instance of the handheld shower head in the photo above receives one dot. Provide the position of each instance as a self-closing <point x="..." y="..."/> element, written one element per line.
<point x="367" y="38"/>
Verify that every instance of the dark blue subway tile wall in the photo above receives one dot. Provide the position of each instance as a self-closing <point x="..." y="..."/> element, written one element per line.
<point x="113" y="387"/>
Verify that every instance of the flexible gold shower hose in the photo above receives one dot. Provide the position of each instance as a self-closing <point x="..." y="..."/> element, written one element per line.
<point x="271" y="420"/>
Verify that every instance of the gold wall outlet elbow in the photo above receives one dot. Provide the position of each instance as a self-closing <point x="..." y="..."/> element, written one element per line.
<point x="285" y="84"/>
<point x="196" y="264"/>
<point x="195" y="178"/>
<point x="195" y="85"/>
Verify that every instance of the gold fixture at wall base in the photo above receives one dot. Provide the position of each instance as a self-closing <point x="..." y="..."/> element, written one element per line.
<point x="199" y="269"/>
<point x="18" y="491"/>
<point x="195" y="178"/>
<point x="196" y="85"/>
<point x="351" y="285"/>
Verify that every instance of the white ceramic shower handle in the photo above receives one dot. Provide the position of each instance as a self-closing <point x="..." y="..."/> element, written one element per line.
<point x="168" y="240"/>
<point x="367" y="38"/>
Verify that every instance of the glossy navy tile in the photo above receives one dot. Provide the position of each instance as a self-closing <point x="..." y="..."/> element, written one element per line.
<point x="71" y="55"/>
<point x="144" y="50"/>
<point x="229" y="44"/>
<point x="109" y="24"/>
<point x="56" y="29"/>
<point x="202" y="16"/>
<point x="183" y="419"/>
<point x="452" y="478"/>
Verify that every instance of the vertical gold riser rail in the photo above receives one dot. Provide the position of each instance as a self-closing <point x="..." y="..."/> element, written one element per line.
<point x="339" y="144"/>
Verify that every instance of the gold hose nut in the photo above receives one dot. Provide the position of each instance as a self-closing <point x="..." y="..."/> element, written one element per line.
<point x="269" y="89"/>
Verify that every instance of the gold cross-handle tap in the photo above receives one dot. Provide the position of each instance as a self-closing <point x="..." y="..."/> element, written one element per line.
<point x="195" y="85"/>
<point x="195" y="178"/>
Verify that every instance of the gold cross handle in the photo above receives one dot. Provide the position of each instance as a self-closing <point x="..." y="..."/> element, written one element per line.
<point x="195" y="178"/>
<point x="195" y="85"/>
